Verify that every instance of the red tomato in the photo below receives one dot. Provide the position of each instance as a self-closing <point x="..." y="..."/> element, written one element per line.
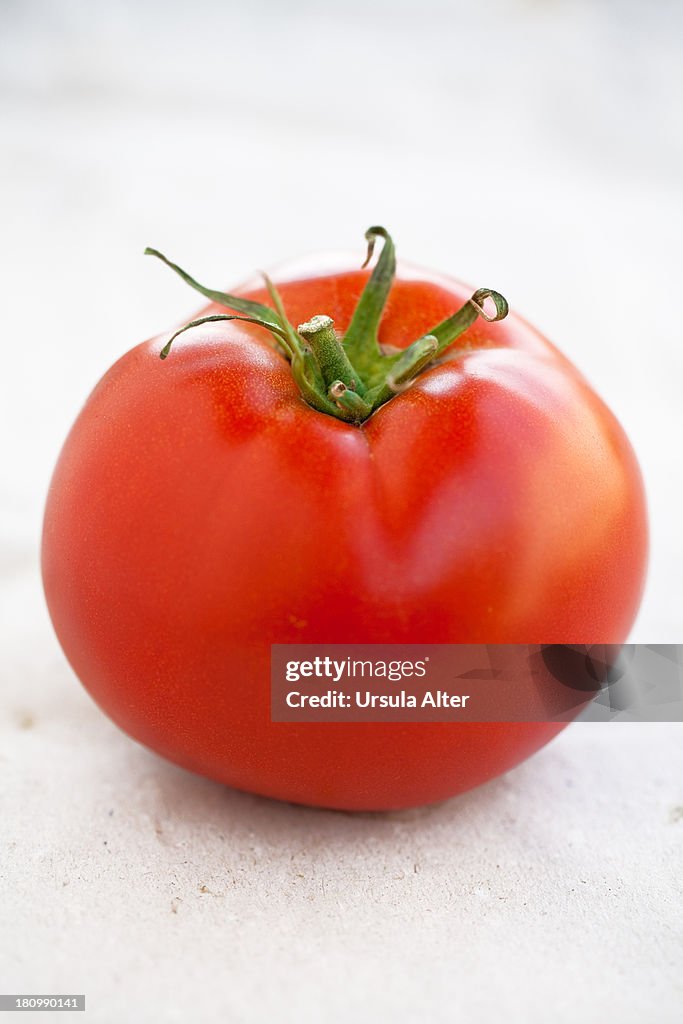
<point x="202" y="510"/>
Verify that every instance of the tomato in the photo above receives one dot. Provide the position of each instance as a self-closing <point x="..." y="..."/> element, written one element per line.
<point x="203" y="508"/>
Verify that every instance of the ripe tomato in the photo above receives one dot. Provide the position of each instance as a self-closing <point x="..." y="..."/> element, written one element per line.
<point x="203" y="508"/>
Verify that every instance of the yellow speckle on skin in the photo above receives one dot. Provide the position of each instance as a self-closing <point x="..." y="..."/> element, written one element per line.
<point x="297" y="623"/>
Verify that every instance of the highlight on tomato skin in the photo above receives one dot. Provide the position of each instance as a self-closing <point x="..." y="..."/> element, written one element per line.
<point x="365" y="456"/>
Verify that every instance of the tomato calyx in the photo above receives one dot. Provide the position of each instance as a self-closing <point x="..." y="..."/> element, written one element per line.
<point x="351" y="376"/>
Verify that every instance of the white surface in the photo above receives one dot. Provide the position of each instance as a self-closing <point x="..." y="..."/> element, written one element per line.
<point x="534" y="147"/>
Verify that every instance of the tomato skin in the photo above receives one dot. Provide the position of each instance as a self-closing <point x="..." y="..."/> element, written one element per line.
<point x="200" y="511"/>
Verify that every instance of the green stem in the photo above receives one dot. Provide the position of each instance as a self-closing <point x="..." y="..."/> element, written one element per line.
<point x="350" y="377"/>
<point x="292" y="336"/>
<point x="281" y="337"/>
<point x="305" y="368"/>
<point x="406" y="366"/>
<point x="360" y="341"/>
<point x="349" y="402"/>
<point x="450" y="330"/>
<point x="334" y="364"/>
<point x="255" y="309"/>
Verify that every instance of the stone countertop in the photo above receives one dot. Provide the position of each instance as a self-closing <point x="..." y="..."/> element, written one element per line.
<point x="530" y="146"/>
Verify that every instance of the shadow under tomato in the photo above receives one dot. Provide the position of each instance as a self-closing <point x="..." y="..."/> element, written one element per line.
<point x="204" y="806"/>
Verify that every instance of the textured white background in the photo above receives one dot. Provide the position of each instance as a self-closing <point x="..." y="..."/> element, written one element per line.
<point x="532" y="146"/>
